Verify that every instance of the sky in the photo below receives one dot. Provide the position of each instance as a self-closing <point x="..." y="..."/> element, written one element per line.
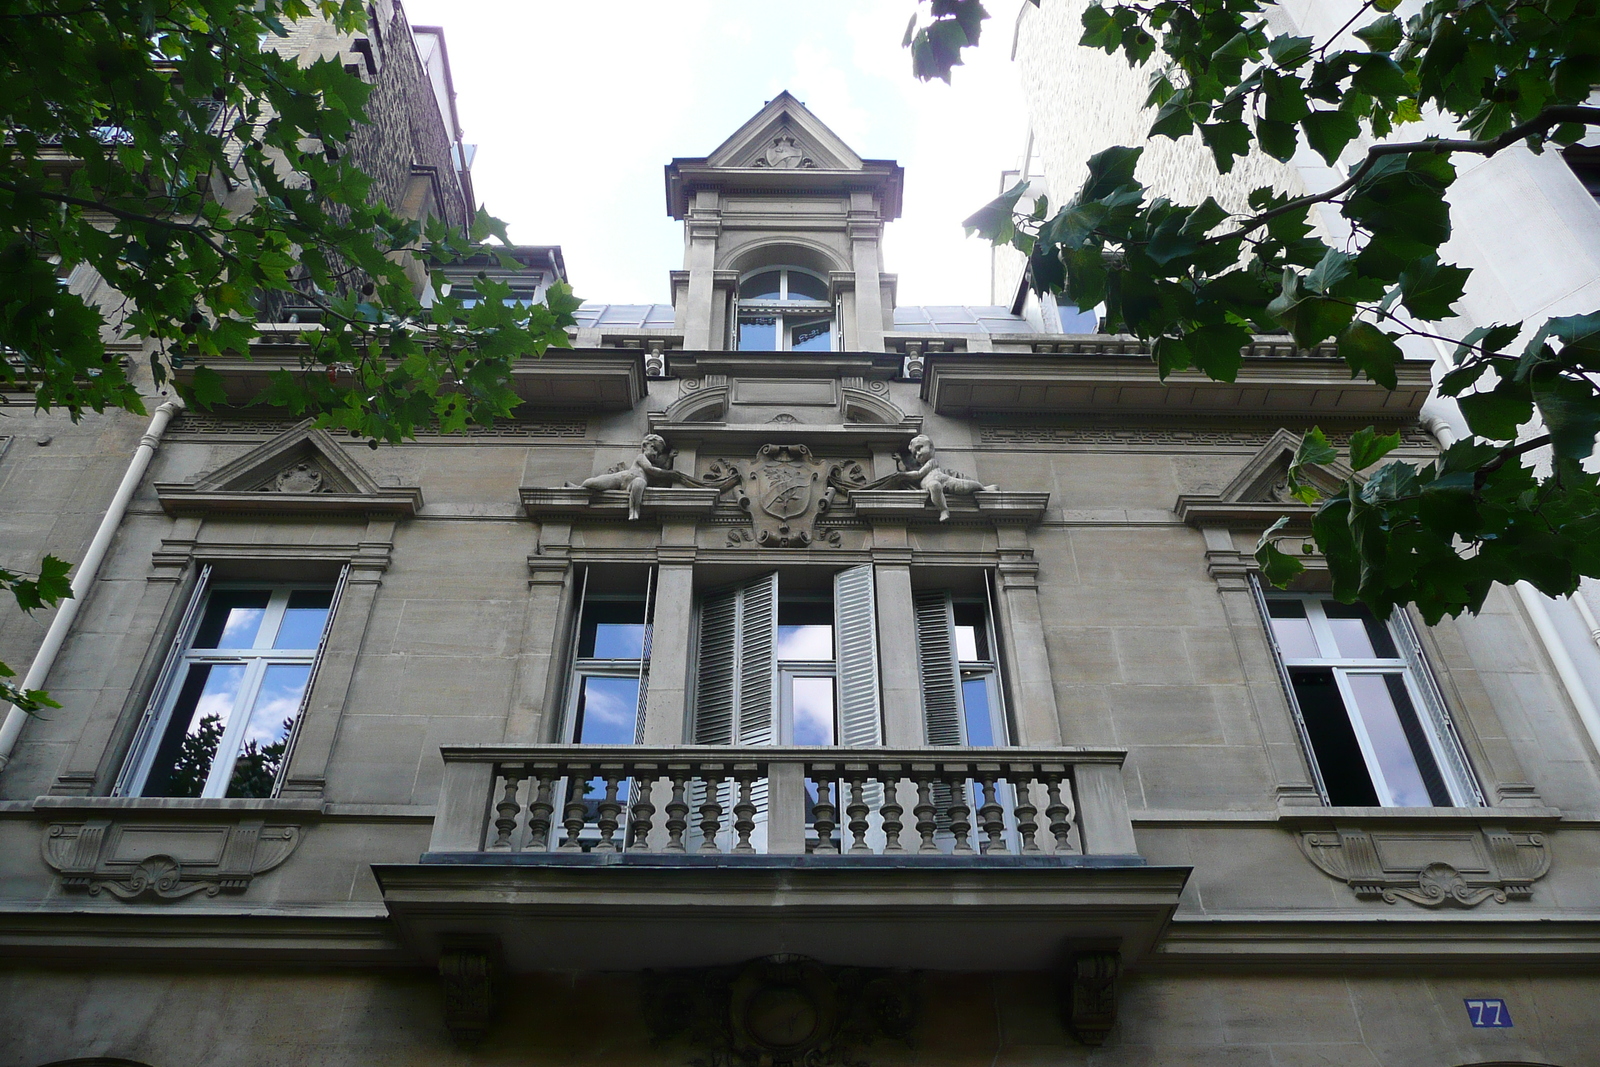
<point x="577" y="106"/>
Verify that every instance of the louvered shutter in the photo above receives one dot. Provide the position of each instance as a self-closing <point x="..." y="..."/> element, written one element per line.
<point x="941" y="674"/>
<point x="758" y="664"/>
<point x="855" y="627"/>
<point x="716" y="691"/>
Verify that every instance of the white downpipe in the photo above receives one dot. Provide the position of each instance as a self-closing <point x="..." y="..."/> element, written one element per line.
<point x="88" y="571"/>
<point x="1538" y="608"/>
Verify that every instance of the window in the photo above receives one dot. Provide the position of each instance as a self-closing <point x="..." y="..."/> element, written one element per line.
<point x="610" y="660"/>
<point x="1376" y="728"/>
<point x="785" y="309"/>
<point x="799" y="668"/>
<point x="961" y="697"/>
<point x="224" y="714"/>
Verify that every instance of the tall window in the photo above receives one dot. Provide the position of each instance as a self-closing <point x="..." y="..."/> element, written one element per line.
<point x="610" y="659"/>
<point x="961" y="698"/>
<point x="785" y="309"/>
<point x="222" y="719"/>
<point x="1376" y="727"/>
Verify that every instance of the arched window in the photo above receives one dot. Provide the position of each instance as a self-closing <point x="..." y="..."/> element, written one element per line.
<point x="785" y="309"/>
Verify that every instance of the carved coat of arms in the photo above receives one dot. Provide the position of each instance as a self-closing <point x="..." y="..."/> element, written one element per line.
<point x="784" y="489"/>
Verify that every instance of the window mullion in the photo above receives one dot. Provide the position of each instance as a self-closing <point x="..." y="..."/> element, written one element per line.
<point x="272" y="618"/>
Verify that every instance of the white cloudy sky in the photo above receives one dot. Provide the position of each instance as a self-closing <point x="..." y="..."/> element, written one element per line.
<point x="577" y="106"/>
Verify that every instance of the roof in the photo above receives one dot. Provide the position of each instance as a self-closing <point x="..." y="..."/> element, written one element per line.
<point x="625" y="316"/>
<point x="939" y="319"/>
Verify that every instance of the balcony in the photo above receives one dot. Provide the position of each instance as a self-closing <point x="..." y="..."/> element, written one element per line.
<point x="622" y="858"/>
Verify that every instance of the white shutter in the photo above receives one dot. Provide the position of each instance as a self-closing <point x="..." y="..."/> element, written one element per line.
<point x="758" y="664"/>
<point x="143" y="747"/>
<point x="855" y="628"/>
<point x="941" y="675"/>
<point x="717" y="678"/>
<point x="1433" y="706"/>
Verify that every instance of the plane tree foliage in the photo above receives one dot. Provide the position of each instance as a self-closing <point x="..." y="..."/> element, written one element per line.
<point x="1392" y="101"/>
<point x="181" y="150"/>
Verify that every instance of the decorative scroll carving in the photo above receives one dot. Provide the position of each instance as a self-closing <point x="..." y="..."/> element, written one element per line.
<point x="785" y="489"/>
<point x="1432" y="868"/>
<point x="164" y="861"/>
<point x="1089" y="999"/>
<point x="467" y="972"/>
<point x="779" y="1010"/>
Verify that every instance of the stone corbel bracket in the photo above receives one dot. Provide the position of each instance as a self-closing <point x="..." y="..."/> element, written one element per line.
<point x="912" y="505"/>
<point x="612" y="504"/>
<point x="1457" y="867"/>
<point x="164" y="861"/>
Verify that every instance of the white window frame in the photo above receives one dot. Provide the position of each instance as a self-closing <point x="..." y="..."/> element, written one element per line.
<point x="785" y="306"/>
<point x="1426" y="703"/>
<point x="256" y="660"/>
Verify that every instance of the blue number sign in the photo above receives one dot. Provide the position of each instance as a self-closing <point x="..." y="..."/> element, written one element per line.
<point x="1488" y="1011"/>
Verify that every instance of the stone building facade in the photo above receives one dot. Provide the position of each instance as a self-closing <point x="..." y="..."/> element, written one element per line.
<point x="800" y="677"/>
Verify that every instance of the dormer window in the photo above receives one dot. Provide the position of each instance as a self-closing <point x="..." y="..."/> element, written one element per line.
<point x="785" y="309"/>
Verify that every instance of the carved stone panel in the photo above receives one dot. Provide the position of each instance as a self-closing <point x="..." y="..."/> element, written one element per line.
<point x="1454" y="867"/>
<point x="164" y="861"/>
<point x="784" y="488"/>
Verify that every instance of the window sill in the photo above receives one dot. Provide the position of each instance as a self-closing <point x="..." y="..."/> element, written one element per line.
<point x="1295" y="816"/>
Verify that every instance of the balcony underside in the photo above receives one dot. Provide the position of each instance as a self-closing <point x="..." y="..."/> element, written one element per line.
<point x="627" y="911"/>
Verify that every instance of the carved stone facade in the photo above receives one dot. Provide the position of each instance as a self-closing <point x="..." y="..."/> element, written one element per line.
<point x="142" y="860"/>
<point x="1459" y="868"/>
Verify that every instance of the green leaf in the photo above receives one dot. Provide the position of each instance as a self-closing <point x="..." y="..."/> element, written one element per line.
<point x="1290" y="52"/>
<point x="995" y="220"/>
<point x="1571" y="413"/>
<point x="1370" y="350"/>
<point x="1496" y="414"/>
<point x="1379" y="76"/>
<point x="206" y="389"/>
<point x="1382" y="35"/>
<point x="1429" y="288"/>
<point x="1110" y="170"/>
<point x="1218" y="350"/>
<point x="1327" y="132"/>
<point x="1278" y="139"/>
<point x="1334" y="268"/>
<point x="1226" y="141"/>
<point x="1314" y="448"/>
<point x="1366" y="447"/>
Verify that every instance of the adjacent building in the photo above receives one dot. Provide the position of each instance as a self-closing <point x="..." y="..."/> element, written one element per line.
<point x="799" y="677"/>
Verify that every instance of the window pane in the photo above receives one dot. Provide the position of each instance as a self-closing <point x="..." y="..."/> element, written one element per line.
<point x="304" y="618"/>
<point x="758" y="333"/>
<point x="975" y="705"/>
<point x="232" y="619"/>
<point x="266" y="735"/>
<point x="1357" y="633"/>
<point x="607" y="711"/>
<point x="1333" y="740"/>
<point x="972" y="637"/>
<point x="806" y="287"/>
<point x="763" y="286"/>
<point x="811" y="641"/>
<point x="813" y="711"/>
<point x="612" y="629"/>
<point x="810" y="335"/>
<point x="1402" y="753"/>
<point x="201" y="714"/>
<point x="1293" y="630"/>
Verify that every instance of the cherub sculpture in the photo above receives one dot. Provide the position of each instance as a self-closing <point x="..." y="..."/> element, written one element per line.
<point x="652" y="466"/>
<point x="936" y="480"/>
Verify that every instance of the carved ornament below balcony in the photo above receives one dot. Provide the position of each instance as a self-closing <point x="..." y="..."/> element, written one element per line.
<point x="1458" y="868"/>
<point x="163" y="861"/>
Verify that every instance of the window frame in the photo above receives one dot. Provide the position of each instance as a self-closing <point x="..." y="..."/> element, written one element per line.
<point x="1427" y="704"/>
<point x="581" y="668"/>
<point x="782" y="308"/>
<point x="257" y="660"/>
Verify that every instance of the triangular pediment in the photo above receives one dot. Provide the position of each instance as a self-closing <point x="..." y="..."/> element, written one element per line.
<point x="302" y="470"/>
<point x="784" y="135"/>
<point x="1264" y="479"/>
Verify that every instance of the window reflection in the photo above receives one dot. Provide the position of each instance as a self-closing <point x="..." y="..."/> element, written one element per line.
<point x="608" y="708"/>
<point x="813" y="704"/>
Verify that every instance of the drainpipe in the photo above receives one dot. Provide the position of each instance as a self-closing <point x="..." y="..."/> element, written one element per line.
<point x="1538" y="608"/>
<point x="88" y="571"/>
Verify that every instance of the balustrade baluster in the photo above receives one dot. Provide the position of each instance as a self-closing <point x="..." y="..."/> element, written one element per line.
<point x="960" y="810"/>
<point x="857" y="809"/>
<point x="890" y="810"/>
<point x="992" y="817"/>
<point x="574" y="813"/>
<point x="711" y="808"/>
<point x="508" y="808"/>
<point x="744" y="808"/>
<point x="677" y="810"/>
<point x="608" y="810"/>
<point x="640" y="821"/>
<point x="927" y="824"/>
<point x="1059" y="809"/>
<point x="1027" y="822"/>
<point x="825" y="817"/>
<point x="540" y="809"/>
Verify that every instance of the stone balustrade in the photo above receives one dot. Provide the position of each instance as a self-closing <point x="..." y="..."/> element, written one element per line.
<point x="695" y="800"/>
